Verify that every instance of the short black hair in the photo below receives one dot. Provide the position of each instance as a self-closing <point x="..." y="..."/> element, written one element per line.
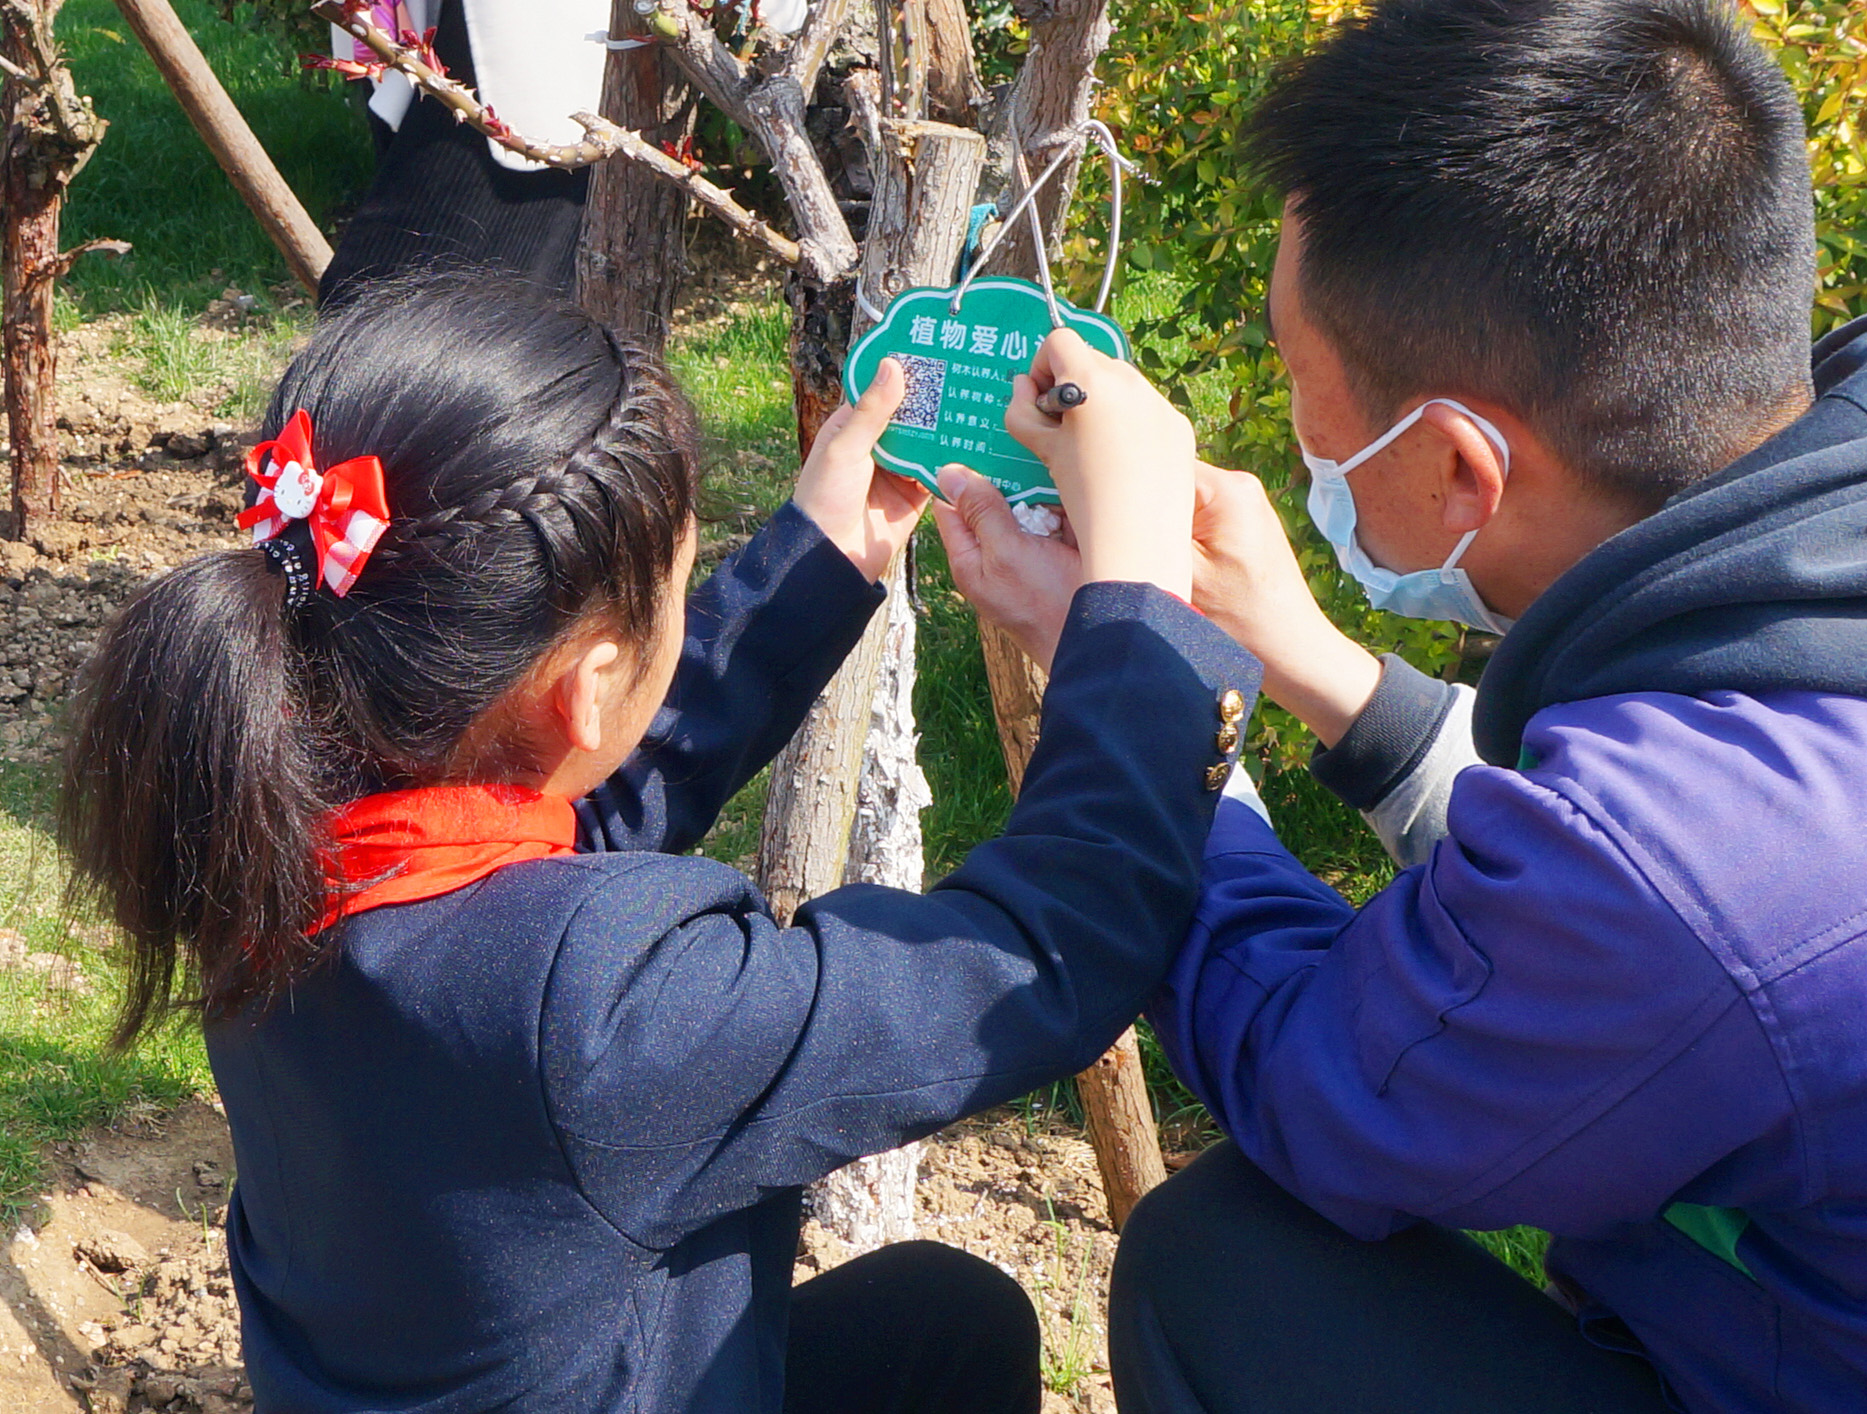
<point x="1597" y="213"/>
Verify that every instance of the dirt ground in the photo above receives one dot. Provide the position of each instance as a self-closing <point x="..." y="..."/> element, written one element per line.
<point x="120" y="1281"/>
<point x="116" y="1296"/>
<point x="147" y="485"/>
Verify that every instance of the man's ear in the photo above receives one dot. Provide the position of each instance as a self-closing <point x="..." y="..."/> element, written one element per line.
<point x="1473" y="479"/>
<point x="582" y="693"/>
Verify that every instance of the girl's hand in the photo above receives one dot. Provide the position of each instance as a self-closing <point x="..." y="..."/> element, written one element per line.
<point x="864" y="511"/>
<point x="1122" y="461"/>
<point x="1021" y="582"/>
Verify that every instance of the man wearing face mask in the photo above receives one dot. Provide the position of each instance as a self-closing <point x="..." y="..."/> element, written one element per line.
<point x="1543" y="296"/>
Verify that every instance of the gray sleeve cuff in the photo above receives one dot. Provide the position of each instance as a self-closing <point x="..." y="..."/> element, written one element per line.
<point x="1411" y="817"/>
<point x="1391" y="737"/>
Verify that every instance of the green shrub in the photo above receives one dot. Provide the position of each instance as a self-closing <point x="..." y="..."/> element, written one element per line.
<point x="1822" y="46"/>
<point x="1178" y="85"/>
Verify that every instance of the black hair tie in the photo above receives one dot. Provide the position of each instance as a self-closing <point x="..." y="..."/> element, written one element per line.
<point x="283" y="558"/>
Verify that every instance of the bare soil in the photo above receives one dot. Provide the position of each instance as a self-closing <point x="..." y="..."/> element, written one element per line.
<point x="116" y="1297"/>
<point x="147" y="485"/>
<point x="117" y="1292"/>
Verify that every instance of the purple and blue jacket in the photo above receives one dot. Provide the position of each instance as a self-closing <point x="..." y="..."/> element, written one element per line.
<point x="1621" y="992"/>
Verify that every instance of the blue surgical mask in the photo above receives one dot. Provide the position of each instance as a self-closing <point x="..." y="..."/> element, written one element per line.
<point x="1444" y="593"/>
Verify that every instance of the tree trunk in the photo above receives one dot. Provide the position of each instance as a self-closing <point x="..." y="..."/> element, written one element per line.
<point x="1121" y="1126"/>
<point x="1116" y="1105"/>
<point x="871" y="1202"/>
<point x="1049" y="102"/>
<point x="1017" y="698"/>
<point x="885" y="839"/>
<point x="847" y="793"/>
<point x="31" y="256"/>
<point x="1048" y="105"/>
<point x="631" y="258"/>
<point x="954" y="90"/>
<point x="916" y="230"/>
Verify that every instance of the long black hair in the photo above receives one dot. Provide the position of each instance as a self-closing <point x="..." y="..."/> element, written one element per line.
<point x="537" y="471"/>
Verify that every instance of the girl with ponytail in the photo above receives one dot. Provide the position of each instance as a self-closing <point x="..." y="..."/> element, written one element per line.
<point x="397" y="802"/>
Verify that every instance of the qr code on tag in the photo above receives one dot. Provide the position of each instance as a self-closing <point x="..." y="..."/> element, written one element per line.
<point x="926" y="385"/>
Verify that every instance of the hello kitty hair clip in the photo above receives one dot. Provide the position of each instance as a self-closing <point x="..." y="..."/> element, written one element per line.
<point x="344" y="508"/>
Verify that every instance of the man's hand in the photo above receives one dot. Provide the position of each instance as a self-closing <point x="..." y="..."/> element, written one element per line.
<point x="1021" y="582"/>
<point x="864" y="511"/>
<point x="1247" y="581"/>
<point x="1122" y="461"/>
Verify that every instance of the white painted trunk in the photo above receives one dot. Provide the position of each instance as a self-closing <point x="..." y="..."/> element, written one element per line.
<point x="870" y="1203"/>
<point x="885" y="842"/>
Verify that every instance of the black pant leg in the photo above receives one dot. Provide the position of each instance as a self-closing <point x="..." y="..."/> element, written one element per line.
<point x="913" y="1328"/>
<point x="439" y="200"/>
<point x="1231" y="1297"/>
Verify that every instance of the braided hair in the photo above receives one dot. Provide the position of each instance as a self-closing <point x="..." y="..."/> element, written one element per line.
<point x="538" y="472"/>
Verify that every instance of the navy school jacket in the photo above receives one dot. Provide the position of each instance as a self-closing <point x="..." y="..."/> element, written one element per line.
<point x="538" y="1144"/>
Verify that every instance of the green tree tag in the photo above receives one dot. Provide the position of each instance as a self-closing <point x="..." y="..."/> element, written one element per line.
<point x="960" y="366"/>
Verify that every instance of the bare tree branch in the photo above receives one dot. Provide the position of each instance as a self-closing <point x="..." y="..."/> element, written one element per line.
<point x="38" y="68"/>
<point x="776" y="112"/>
<point x="599" y="140"/>
<point x="772" y="110"/>
<point x="862" y="91"/>
<point x="603" y="138"/>
<point x="805" y="59"/>
<point x="59" y="268"/>
<point x="637" y="148"/>
<point x="954" y="91"/>
<point x="709" y="65"/>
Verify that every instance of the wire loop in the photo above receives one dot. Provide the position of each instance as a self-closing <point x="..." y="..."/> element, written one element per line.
<point x="1118" y="164"/>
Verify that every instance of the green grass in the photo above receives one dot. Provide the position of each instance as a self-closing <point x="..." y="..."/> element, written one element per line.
<point x="56" y="1079"/>
<point x="1068" y="1355"/>
<point x="734" y="369"/>
<point x="176" y="358"/>
<point x="154" y="184"/>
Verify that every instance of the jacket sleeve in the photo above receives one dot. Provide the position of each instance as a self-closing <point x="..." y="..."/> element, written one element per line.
<point x="734" y="1057"/>
<point x="764" y="634"/>
<point x="1520" y="1030"/>
<point x="1398" y="759"/>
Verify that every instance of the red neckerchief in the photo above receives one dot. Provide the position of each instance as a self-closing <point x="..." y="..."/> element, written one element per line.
<point x="417" y="844"/>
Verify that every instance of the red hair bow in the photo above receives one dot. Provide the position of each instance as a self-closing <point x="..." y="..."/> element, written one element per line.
<point x="345" y="505"/>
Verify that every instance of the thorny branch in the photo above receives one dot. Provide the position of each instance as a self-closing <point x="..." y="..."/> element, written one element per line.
<point x="637" y="148"/>
<point x="603" y="139"/>
<point x="772" y="110"/>
<point x="416" y="60"/>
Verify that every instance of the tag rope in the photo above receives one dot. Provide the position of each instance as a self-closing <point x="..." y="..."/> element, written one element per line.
<point x="1118" y="164"/>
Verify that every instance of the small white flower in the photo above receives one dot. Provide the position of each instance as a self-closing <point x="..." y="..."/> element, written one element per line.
<point x="1037" y="520"/>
